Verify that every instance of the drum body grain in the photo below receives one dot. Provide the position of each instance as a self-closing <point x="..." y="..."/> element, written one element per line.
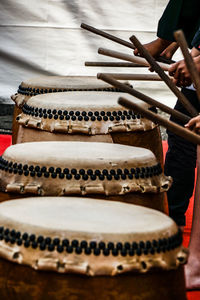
<point x="16" y="282"/>
<point x="138" y="139"/>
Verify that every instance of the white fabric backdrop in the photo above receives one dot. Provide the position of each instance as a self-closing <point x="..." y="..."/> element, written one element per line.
<point x="44" y="37"/>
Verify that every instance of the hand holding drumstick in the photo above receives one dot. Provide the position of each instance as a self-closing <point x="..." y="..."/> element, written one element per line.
<point x="180" y="73"/>
<point x="194" y="124"/>
<point x="160" y="47"/>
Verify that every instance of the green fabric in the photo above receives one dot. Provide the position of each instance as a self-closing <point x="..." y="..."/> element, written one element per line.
<point x="180" y="14"/>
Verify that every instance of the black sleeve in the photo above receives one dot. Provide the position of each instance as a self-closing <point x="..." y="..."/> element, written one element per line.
<point x="180" y="14"/>
<point x="196" y="40"/>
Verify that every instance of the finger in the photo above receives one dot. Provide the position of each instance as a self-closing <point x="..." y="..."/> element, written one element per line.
<point x="192" y="128"/>
<point x="172" y="69"/>
<point x="175" y="81"/>
<point x="192" y="122"/>
<point x="177" y="74"/>
<point x="182" y="78"/>
<point x="198" y="125"/>
<point x="136" y="52"/>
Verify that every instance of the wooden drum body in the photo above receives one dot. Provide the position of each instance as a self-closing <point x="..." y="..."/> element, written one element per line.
<point x="21" y="281"/>
<point x="103" y="170"/>
<point x="53" y="84"/>
<point x="86" y="116"/>
<point x="102" y="250"/>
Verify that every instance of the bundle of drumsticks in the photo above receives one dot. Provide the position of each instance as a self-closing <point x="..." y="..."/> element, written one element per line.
<point x="159" y="66"/>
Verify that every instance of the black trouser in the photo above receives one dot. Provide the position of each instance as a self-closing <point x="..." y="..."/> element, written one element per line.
<point x="180" y="164"/>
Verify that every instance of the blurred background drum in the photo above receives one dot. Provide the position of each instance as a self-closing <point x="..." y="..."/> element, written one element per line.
<point x="103" y="170"/>
<point x="87" y="116"/>
<point x="53" y="84"/>
<point x="102" y="250"/>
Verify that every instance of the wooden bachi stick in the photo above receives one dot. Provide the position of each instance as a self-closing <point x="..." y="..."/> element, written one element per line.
<point x="117" y="40"/>
<point x="125" y="88"/>
<point x="128" y="57"/>
<point x="107" y="36"/>
<point x="173" y="127"/>
<point x="142" y="77"/>
<point x="112" y="64"/>
<point x="180" y="38"/>
<point x="144" y="52"/>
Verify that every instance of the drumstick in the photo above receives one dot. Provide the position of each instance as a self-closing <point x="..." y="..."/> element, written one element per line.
<point x="112" y="64"/>
<point x="144" y="52"/>
<point x="173" y="127"/>
<point x="145" y="77"/>
<point x="180" y="38"/>
<point x="125" y="88"/>
<point x="128" y="57"/>
<point x="118" y="40"/>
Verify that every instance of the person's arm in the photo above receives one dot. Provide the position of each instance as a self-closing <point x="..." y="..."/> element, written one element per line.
<point x="178" y="14"/>
<point x="170" y="50"/>
<point x="160" y="47"/>
<point x="194" y="124"/>
<point x="155" y="47"/>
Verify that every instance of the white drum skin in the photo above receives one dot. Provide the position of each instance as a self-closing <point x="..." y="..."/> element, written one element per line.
<point x="86" y="116"/>
<point x="53" y="84"/>
<point x="108" y="171"/>
<point x="52" y="237"/>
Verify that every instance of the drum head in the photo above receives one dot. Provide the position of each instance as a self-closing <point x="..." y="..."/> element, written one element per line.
<point x="88" y="236"/>
<point x="62" y="168"/>
<point x="85" y="112"/>
<point x="53" y="84"/>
